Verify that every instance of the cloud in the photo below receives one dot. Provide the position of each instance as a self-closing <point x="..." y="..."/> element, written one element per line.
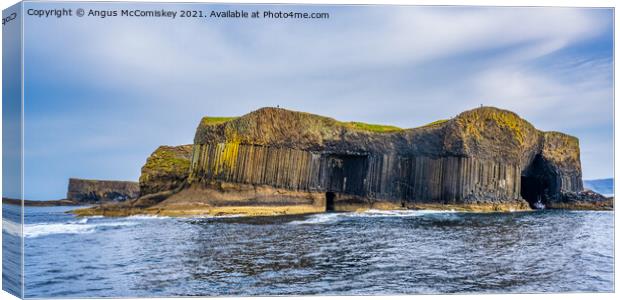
<point x="149" y="52"/>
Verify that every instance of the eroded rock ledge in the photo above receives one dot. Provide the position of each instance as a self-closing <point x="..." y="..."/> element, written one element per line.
<point x="85" y="191"/>
<point x="273" y="161"/>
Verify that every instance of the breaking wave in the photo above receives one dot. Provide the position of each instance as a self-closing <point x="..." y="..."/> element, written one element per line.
<point x="399" y="213"/>
<point x="11" y="228"/>
<point x="319" y="219"/>
<point x="218" y="217"/>
<point x="78" y="227"/>
<point x="198" y="217"/>
<point x="328" y="218"/>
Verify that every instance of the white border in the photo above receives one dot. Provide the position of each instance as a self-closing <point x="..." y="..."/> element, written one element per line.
<point x="561" y="3"/>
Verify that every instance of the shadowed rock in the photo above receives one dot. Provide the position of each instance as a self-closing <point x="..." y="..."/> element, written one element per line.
<point x="100" y="191"/>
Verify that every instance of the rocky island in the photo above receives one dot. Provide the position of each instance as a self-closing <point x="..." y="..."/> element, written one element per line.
<point x="101" y="191"/>
<point x="277" y="161"/>
<point x="87" y="192"/>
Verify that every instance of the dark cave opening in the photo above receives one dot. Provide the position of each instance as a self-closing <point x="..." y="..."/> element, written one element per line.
<point x="329" y="201"/>
<point x="533" y="191"/>
<point x="346" y="173"/>
<point x="536" y="183"/>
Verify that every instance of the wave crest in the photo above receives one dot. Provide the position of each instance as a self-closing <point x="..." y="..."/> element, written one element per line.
<point x="12" y="228"/>
<point x="328" y="218"/>
<point x="78" y="227"/>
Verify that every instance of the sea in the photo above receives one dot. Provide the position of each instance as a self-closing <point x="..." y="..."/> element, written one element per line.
<point x="348" y="253"/>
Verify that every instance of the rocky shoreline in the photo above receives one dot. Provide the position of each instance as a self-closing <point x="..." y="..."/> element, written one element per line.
<point x="194" y="210"/>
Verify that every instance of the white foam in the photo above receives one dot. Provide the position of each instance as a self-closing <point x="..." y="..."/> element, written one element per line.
<point x="319" y="219"/>
<point x="398" y="213"/>
<point x="11" y="227"/>
<point x="218" y="217"/>
<point x="371" y="213"/>
<point x="78" y="227"/>
<point x="146" y="217"/>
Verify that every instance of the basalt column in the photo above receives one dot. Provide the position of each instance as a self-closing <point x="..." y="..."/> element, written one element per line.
<point x="452" y="180"/>
<point x="250" y="164"/>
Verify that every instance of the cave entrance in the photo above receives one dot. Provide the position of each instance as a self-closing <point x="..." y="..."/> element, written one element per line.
<point x="329" y="201"/>
<point x="536" y="183"/>
<point x="533" y="191"/>
<point x="346" y="173"/>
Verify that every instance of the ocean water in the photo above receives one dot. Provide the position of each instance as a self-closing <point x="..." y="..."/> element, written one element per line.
<point x="371" y="253"/>
<point x="11" y="249"/>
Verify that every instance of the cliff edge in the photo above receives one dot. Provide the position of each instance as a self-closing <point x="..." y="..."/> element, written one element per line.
<point x="90" y="191"/>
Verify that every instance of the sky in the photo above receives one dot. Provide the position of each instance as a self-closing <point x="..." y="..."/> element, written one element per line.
<point x="101" y="94"/>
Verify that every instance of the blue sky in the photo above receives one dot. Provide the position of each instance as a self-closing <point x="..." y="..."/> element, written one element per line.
<point x="102" y="94"/>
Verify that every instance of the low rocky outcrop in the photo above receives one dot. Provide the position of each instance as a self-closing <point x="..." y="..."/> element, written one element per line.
<point x="20" y="202"/>
<point x="166" y="169"/>
<point x="88" y="191"/>
<point x="482" y="159"/>
<point x="587" y="200"/>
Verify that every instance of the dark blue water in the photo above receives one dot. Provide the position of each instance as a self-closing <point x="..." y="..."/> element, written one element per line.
<point x="330" y="254"/>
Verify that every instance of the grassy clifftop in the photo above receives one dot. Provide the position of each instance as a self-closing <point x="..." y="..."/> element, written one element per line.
<point x="487" y="131"/>
<point x="562" y="150"/>
<point x="353" y="125"/>
<point x="489" y="122"/>
<point x="166" y="169"/>
<point x="207" y="121"/>
<point x="299" y="130"/>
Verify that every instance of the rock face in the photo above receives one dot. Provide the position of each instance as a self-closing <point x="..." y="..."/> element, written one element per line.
<point x="485" y="155"/>
<point x="166" y="169"/>
<point x="483" y="159"/>
<point x="101" y="191"/>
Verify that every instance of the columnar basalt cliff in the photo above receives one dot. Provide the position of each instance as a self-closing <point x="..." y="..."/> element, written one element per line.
<point x="279" y="161"/>
<point x="101" y="191"/>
